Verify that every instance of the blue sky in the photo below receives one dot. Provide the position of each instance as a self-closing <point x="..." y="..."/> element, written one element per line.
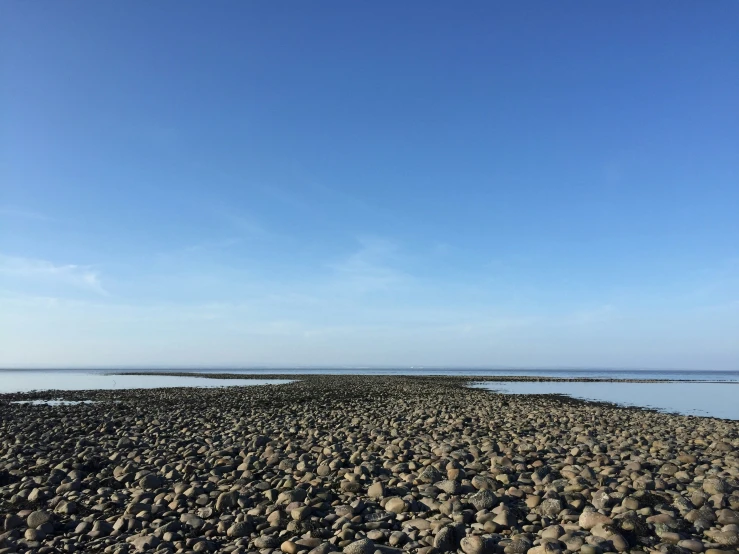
<point x="380" y="183"/>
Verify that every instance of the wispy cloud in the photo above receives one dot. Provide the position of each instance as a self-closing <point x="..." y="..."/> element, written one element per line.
<point x="83" y="277"/>
<point x="20" y="213"/>
<point x="372" y="266"/>
<point x="598" y="314"/>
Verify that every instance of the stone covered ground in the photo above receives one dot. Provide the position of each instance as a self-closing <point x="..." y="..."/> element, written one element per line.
<point x="362" y="464"/>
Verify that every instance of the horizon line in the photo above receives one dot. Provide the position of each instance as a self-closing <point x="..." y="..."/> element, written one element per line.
<point x="297" y="367"/>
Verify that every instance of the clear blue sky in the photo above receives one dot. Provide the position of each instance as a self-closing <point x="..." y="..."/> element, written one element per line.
<point x="413" y="183"/>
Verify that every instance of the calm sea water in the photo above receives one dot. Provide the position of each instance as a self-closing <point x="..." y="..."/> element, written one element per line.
<point x="32" y="380"/>
<point x="714" y="399"/>
<point x="614" y="373"/>
<point x="717" y="395"/>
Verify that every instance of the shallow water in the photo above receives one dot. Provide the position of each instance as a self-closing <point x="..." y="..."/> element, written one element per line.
<point x="33" y="380"/>
<point x="701" y="399"/>
<point x="612" y="373"/>
<point x="716" y="396"/>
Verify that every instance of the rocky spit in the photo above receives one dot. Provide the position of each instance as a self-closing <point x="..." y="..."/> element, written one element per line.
<point x="361" y="465"/>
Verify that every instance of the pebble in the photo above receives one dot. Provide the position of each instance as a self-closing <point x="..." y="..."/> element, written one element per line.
<point x="38" y="518"/>
<point x="474" y="544"/>
<point x="364" y="465"/>
<point x="363" y="546"/>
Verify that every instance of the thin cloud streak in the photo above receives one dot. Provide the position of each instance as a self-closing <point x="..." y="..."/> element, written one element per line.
<point x="83" y="277"/>
<point x="371" y="266"/>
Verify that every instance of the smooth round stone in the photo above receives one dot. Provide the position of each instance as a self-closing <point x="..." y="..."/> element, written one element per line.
<point x="38" y="518"/>
<point x="691" y="544"/>
<point x="474" y="544"/>
<point x="396" y="505"/>
<point x="289" y="547"/>
<point x="362" y="546"/>
<point x="301" y="514"/>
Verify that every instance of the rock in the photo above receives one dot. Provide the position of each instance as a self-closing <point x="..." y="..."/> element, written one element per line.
<point x="300" y="514"/>
<point x="474" y="544"/>
<point x="145" y="542"/>
<point x="505" y="519"/>
<point x="448" y="486"/>
<point x="227" y="501"/>
<point x="484" y="499"/>
<point x="69" y="486"/>
<point x="396" y="505"/>
<point x="34" y="535"/>
<point x="691" y="545"/>
<point x="549" y="547"/>
<point x="417" y="523"/>
<point x="38" y="518"/>
<point x="12" y="521"/>
<point x="520" y="545"/>
<point x="268" y="541"/>
<point x="289" y="547"/>
<point x="552" y="532"/>
<point x="482" y="482"/>
<point x="726" y="538"/>
<point x="573" y="542"/>
<point x="714" y="485"/>
<point x="550" y="507"/>
<point x="445" y="540"/>
<point x="601" y="499"/>
<point x="362" y="546"/>
<point x="727" y="517"/>
<point x="239" y="529"/>
<point x="100" y="528"/>
<point x="66" y="507"/>
<point x="619" y="542"/>
<point x="588" y="520"/>
<point x="376" y="490"/>
<point x="429" y="474"/>
<point x="323" y="548"/>
<point x="150" y="481"/>
<point x="191" y="520"/>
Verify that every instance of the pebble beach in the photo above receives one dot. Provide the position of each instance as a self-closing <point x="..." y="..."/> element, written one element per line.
<point x="361" y="465"/>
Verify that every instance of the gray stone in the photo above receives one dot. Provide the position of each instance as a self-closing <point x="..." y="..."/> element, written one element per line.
<point x="362" y="546"/>
<point x="550" y="507"/>
<point x="445" y="540"/>
<point x="475" y="544"/>
<point x="240" y="529"/>
<point x="227" y="501"/>
<point x="37" y="518"/>
<point x="150" y="481"/>
<point x="396" y="505"/>
<point x="588" y="520"/>
<point x="145" y="542"/>
<point x="484" y="499"/>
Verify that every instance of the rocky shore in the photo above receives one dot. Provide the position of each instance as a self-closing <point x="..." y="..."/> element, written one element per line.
<point x="361" y="464"/>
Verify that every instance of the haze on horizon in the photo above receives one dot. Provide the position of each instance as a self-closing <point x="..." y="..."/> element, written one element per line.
<point x="342" y="183"/>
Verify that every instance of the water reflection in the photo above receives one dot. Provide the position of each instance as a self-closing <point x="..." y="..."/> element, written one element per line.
<point x="702" y="399"/>
<point x="26" y="381"/>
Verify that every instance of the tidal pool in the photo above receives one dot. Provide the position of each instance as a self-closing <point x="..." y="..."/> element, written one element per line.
<point x="33" y="380"/>
<point x="712" y="399"/>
